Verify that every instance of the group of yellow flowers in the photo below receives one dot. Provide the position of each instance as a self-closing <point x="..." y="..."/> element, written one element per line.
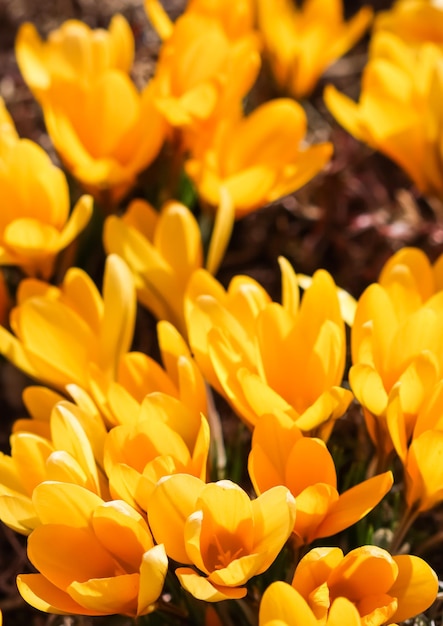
<point x="120" y="478"/>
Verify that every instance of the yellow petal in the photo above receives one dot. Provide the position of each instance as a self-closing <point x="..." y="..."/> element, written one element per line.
<point x="63" y="503"/>
<point x="43" y="595"/>
<point x="18" y="513"/>
<point x="173" y="499"/>
<point x="274" y="514"/>
<point x="354" y="504"/>
<point x="153" y="570"/>
<point x="424" y="469"/>
<point x="368" y="388"/>
<point x="285" y="605"/>
<point x="107" y="596"/>
<point x="202" y="589"/>
<point x="119" y="313"/>
<point x="415" y="588"/>
<point x="122" y="532"/>
<point x="75" y="554"/>
<point x="159" y="18"/>
<point x="350" y="578"/>
<point x="39" y="401"/>
<point x="309" y="462"/>
<point x="178" y="239"/>
<point x="221" y="232"/>
<point x="343" y="611"/>
<point x="80" y="216"/>
<point x="290" y="289"/>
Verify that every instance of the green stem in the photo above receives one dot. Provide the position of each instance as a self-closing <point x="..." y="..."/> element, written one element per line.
<point x="404" y="525"/>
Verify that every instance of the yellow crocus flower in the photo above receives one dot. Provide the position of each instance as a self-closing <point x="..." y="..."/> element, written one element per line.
<point x="258" y="158"/>
<point x="73" y="53"/>
<point x="282" y="605"/>
<point x="240" y="164"/>
<point x="166" y="438"/>
<point x="104" y="130"/>
<point x="399" y="109"/>
<point x="35" y="224"/>
<point x="383" y="588"/>
<point x="162" y="250"/>
<point x="66" y="446"/>
<point x="105" y="133"/>
<point x="94" y="557"/>
<point x="60" y="332"/>
<point x="188" y="92"/>
<point x="220" y="531"/>
<point x="280" y="455"/>
<point x="397" y="341"/>
<point x="302" y="41"/>
<point x="265" y="357"/>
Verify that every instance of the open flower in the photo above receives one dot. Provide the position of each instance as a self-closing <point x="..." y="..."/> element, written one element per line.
<point x="242" y="163"/>
<point x="265" y="357"/>
<point x="399" y="112"/>
<point x="281" y="604"/>
<point x="165" y="438"/>
<point x="35" y="224"/>
<point x="62" y="442"/>
<point x="397" y="341"/>
<point x="162" y="250"/>
<point x="258" y="158"/>
<point x="280" y="455"/>
<point x="301" y="42"/>
<point x="383" y="588"/>
<point x="94" y="557"/>
<point x="73" y="53"/>
<point x="218" y="530"/>
<point x="60" y="332"/>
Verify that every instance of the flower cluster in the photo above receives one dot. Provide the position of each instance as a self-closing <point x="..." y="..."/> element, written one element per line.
<point x="212" y="484"/>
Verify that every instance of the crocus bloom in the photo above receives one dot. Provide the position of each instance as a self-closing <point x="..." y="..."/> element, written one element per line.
<point x="280" y="455"/>
<point x="302" y="42"/>
<point x="69" y="450"/>
<point x="167" y="438"/>
<point x="399" y="112"/>
<point x="73" y="53"/>
<point x="281" y="604"/>
<point x="94" y="557"/>
<point x="35" y="224"/>
<point x="105" y="133"/>
<point x="217" y="529"/>
<point x="258" y="158"/>
<point x="243" y="163"/>
<point x="60" y="332"/>
<point x="265" y="357"/>
<point x="187" y="92"/>
<point x="383" y="588"/>
<point x="397" y="341"/>
<point x="162" y="250"/>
